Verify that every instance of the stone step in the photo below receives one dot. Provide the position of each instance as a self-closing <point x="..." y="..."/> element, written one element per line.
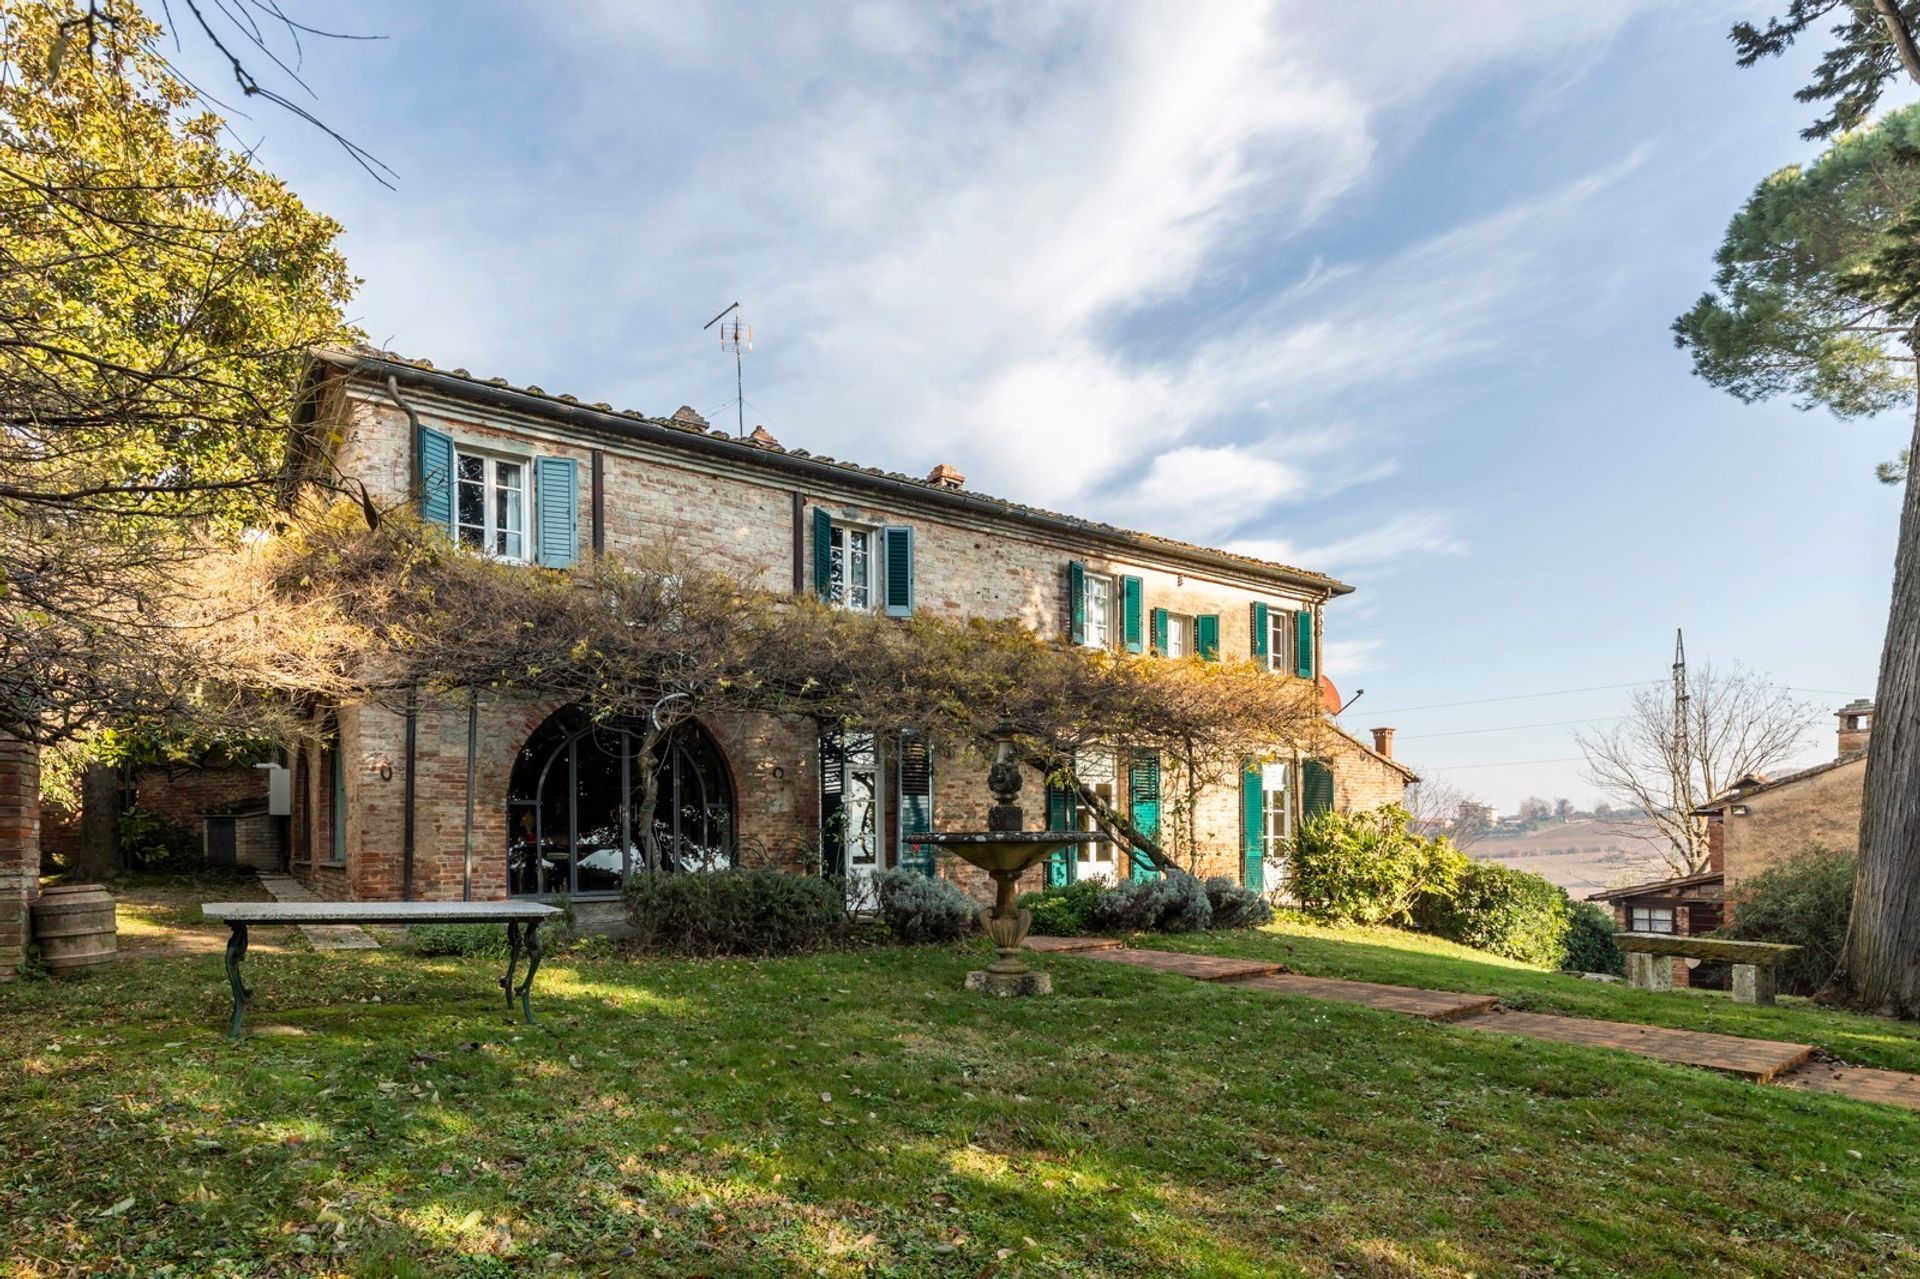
<point x="1434" y="1005"/>
<point x="1198" y="967"/>
<point x="1760" y="1060"/>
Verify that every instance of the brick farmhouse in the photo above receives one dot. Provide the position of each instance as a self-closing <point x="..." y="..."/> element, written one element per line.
<point x="490" y="795"/>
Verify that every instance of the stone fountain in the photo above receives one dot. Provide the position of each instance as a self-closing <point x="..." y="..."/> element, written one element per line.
<point x="1006" y="850"/>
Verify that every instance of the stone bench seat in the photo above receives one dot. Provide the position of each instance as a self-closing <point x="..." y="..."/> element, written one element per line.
<point x="1754" y="962"/>
<point x="522" y="919"/>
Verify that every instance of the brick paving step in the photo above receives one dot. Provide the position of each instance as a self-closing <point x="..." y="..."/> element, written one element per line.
<point x="1434" y="1005"/>
<point x="1862" y="1083"/>
<point x="1068" y="945"/>
<point x="1760" y="1060"/>
<point x="1198" y="967"/>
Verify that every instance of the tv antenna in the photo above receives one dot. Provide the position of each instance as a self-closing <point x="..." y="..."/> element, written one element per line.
<point x="736" y="335"/>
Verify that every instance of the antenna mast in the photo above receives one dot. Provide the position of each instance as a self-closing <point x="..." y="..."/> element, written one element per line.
<point x="737" y="336"/>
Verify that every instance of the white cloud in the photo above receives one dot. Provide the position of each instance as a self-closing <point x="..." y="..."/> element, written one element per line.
<point x="1423" y="532"/>
<point x="1345" y="658"/>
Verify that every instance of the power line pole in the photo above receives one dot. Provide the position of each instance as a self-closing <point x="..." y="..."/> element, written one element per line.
<point x="1680" y="764"/>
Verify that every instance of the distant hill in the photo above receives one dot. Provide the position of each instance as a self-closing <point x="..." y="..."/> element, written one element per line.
<point x="1582" y="856"/>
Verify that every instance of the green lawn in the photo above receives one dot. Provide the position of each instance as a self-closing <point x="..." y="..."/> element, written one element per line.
<point x="857" y="1113"/>
<point x="1412" y="959"/>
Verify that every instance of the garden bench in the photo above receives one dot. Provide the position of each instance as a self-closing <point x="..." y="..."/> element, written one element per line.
<point x="1753" y="961"/>
<point x="238" y="915"/>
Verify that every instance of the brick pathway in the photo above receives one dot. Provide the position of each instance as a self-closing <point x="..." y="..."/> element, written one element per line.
<point x="1434" y="1005"/>
<point x="1760" y="1060"/>
<point x="1068" y="945"/>
<point x="1198" y="967"/>
<point x="1757" y="1059"/>
<point x="1862" y="1083"/>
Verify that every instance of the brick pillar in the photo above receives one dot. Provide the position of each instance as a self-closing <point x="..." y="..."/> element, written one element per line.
<point x="19" y="848"/>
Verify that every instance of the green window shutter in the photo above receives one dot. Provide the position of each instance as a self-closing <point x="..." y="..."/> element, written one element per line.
<point x="1132" y="596"/>
<point x="1253" y="826"/>
<point x="435" y="479"/>
<point x="1303" y="643"/>
<point x="833" y="793"/>
<point x="556" y="506"/>
<point x="897" y="552"/>
<point x="1257" y="628"/>
<point x="1160" y="631"/>
<point x="822" y="553"/>
<point x="1077" y="602"/>
<point x="1143" y="807"/>
<point x="1060" y="816"/>
<point x="1206" y="636"/>
<point x="916" y="801"/>
<point x="1316" y="788"/>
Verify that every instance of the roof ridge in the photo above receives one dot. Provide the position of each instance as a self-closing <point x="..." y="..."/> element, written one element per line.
<point x="358" y="351"/>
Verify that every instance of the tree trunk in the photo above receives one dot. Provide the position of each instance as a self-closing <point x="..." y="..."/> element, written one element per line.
<point x="1879" y="968"/>
<point x="99" y="820"/>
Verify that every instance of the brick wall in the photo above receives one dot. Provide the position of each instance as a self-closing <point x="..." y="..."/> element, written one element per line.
<point x="1822" y="809"/>
<point x="19" y="848"/>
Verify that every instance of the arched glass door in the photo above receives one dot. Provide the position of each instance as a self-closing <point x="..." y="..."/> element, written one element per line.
<point x="576" y="798"/>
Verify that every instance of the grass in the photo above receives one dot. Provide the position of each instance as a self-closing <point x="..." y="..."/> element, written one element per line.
<point x="858" y="1114"/>
<point x="1413" y="959"/>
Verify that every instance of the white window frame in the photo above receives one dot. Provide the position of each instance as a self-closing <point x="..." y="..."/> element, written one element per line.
<point x="1635" y="920"/>
<point x="1276" y="828"/>
<point x="839" y="549"/>
<point x="491" y="527"/>
<point x="1097" y="767"/>
<point x="1181" y="634"/>
<point x="1099" y="620"/>
<point x="1280" y="655"/>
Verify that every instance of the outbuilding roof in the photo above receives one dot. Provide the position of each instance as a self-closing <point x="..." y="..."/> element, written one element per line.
<point x="680" y="431"/>
<point x="1747" y="787"/>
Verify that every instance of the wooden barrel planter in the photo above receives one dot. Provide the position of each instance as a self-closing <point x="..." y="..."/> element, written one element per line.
<point x="75" y="928"/>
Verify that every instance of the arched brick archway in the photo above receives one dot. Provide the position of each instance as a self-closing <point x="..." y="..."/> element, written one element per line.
<point x="573" y="793"/>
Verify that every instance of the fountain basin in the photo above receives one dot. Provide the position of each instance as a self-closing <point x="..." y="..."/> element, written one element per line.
<point x="1006" y="855"/>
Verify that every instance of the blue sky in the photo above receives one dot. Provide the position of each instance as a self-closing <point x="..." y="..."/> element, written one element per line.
<point x="1377" y="289"/>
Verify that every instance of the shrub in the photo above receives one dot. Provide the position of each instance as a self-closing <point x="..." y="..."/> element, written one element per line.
<point x="487" y="940"/>
<point x="151" y="842"/>
<point x="1236" y="906"/>
<point x="1590" y="946"/>
<point x="1804" y="901"/>
<point x="920" y="908"/>
<point x="732" y="912"/>
<point x="1495" y="908"/>
<point x="1370" y="867"/>
<point x="1170" y="903"/>
<point x="1067" y="911"/>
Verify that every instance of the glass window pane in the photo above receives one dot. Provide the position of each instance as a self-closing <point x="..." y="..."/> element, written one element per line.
<point x="859" y="568"/>
<point x="837" y="567"/>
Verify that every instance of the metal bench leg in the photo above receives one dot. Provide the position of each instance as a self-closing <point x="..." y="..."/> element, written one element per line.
<point x="242" y="996"/>
<point x="535" y="947"/>
<point x="513" y="961"/>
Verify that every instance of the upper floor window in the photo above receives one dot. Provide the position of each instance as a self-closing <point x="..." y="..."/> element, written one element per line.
<point x="1280" y="654"/>
<point x="851" y="567"/>
<point x="1099" y="602"/>
<point x="490" y="505"/>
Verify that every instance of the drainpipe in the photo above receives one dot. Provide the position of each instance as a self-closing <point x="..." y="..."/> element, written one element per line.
<point x="473" y="737"/>
<point x="406" y="829"/>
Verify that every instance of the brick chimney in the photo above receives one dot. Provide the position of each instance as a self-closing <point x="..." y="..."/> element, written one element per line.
<point x="946" y="477"/>
<point x="1856" y="725"/>
<point x="687" y="415"/>
<point x="761" y="435"/>
<point x="1383" y="741"/>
